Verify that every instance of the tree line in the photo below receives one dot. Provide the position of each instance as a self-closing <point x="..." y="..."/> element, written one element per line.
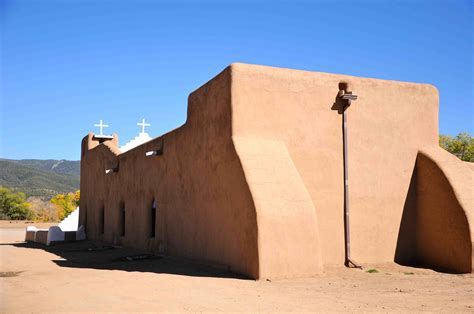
<point x="14" y="205"/>
<point x="461" y="145"/>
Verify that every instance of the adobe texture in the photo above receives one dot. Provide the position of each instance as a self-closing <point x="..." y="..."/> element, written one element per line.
<point x="254" y="179"/>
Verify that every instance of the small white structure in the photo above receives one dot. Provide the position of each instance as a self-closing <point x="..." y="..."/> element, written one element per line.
<point x="67" y="230"/>
<point x="142" y="137"/>
<point x="71" y="222"/>
<point x="101" y="126"/>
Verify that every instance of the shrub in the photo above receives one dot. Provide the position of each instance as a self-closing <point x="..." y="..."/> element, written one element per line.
<point x="462" y="145"/>
<point x="13" y="205"/>
<point x="44" y="211"/>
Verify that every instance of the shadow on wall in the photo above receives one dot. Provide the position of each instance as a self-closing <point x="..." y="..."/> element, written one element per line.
<point x="88" y="254"/>
<point x="405" y="253"/>
<point x="434" y="231"/>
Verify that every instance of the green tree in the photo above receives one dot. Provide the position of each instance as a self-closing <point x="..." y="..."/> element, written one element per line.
<point x="461" y="146"/>
<point x="13" y="205"/>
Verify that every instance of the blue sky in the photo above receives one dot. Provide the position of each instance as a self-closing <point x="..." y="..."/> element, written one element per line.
<point x="67" y="64"/>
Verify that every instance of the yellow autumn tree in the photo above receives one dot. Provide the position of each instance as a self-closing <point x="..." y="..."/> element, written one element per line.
<point x="77" y="197"/>
<point x="66" y="203"/>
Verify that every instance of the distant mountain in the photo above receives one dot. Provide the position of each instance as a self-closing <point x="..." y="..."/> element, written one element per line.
<point x="51" y="165"/>
<point x="44" y="178"/>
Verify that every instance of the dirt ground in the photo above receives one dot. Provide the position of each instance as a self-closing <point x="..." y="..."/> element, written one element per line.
<point x="93" y="277"/>
<point x="23" y="224"/>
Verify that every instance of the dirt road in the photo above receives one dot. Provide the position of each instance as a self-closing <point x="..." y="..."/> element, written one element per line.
<point x="93" y="277"/>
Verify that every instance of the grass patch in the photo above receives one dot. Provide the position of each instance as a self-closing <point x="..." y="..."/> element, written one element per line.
<point x="409" y="273"/>
<point x="372" y="271"/>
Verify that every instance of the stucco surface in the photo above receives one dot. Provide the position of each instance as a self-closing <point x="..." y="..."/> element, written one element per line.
<point x="254" y="179"/>
<point x="204" y="208"/>
<point x="288" y="235"/>
<point x="439" y="214"/>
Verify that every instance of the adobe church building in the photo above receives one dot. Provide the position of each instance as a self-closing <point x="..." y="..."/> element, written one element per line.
<point x="254" y="180"/>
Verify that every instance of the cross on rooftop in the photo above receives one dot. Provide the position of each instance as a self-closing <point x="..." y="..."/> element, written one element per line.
<point x="143" y="125"/>
<point x="101" y="126"/>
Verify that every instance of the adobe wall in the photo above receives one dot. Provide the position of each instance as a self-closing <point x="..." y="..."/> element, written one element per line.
<point x="204" y="208"/>
<point x="436" y="228"/>
<point x="254" y="179"/>
<point x="387" y="125"/>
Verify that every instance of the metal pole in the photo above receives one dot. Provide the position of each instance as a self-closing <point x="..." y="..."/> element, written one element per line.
<point x="347" y="237"/>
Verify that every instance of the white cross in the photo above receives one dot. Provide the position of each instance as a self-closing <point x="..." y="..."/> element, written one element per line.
<point x="101" y="126"/>
<point x="143" y="125"/>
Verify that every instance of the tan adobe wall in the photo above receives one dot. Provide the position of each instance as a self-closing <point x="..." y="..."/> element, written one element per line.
<point x="204" y="209"/>
<point x="254" y="179"/>
<point x="386" y="125"/>
<point x="436" y="229"/>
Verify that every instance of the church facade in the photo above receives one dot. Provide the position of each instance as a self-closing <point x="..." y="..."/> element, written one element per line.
<point x="254" y="179"/>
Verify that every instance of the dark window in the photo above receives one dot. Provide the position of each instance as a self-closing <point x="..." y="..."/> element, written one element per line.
<point x="122" y="221"/>
<point x="153" y="219"/>
<point x="102" y="220"/>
